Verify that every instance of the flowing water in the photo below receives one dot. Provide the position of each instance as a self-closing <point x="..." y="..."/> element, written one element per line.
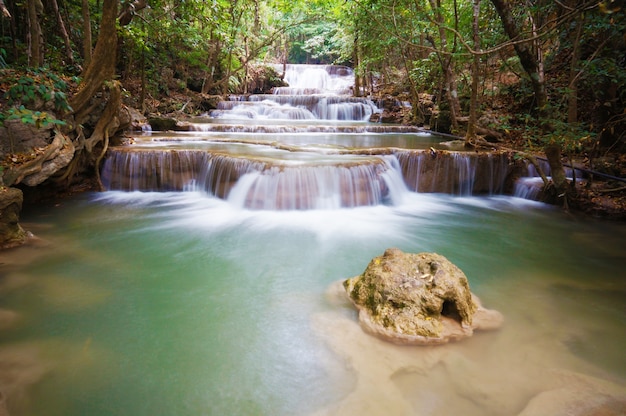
<point x="190" y="302"/>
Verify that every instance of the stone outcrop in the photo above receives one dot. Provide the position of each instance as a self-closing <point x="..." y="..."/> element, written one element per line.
<point x="417" y="299"/>
<point x="11" y="233"/>
<point x="43" y="163"/>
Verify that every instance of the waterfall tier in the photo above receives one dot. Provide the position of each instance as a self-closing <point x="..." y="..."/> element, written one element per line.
<point x="315" y="92"/>
<point x="296" y="107"/>
<point x="303" y="180"/>
<point x="307" y="146"/>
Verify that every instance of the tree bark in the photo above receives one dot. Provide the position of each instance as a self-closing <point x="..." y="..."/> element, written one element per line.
<point x="452" y="94"/>
<point x="572" y="99"/>
<point x="86" y="33"/>
<point x="473" y="114"/>
<point x="557" y="172"/>
<point x="102" y="66"/>
<point x="35" y="50"/>
<point x="214" y="49"/>
<point x="357" y="63"/>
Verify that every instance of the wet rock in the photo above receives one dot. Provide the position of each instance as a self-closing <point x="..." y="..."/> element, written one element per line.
<point x="165" y="124"/>
<point x="417" y="299"/>
<point x="11" y="233"/>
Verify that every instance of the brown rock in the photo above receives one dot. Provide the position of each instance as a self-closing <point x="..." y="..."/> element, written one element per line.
<point x="417" y="299"/>
<point x="11" y="233"/>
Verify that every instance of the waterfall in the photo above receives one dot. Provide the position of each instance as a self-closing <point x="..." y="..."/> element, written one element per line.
<point x="312" y="187"/>
<point x="320" y="182"/>
<point x="151" y="170"/>
<point x="257" y="184"/>
<point x="304" y="147"/>
<point x="457" y="173"/>
<point x="299" y="128"/>
<point x="315" y="92"/>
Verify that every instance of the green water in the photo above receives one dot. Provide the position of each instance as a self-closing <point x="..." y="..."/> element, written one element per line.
<point x="179" y="304"/>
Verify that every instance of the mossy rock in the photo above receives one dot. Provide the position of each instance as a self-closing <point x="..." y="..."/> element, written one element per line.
<point x="417" y="299"/>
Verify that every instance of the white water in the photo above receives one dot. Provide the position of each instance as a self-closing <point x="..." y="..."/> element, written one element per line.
<point x="315" y="92"/>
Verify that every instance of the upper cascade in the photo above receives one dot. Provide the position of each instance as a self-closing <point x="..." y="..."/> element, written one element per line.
<point x="315" y="92"/>
<point x="316" y="79"/>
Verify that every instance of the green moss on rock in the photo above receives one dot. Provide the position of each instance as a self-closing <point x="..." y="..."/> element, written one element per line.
<point x="416" y="298"/>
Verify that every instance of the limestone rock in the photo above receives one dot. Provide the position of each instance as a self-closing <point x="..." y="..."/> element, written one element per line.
<point x="165" y="124"/>
<point x="417" y="299"/>
<point x="48" y="161"/>
<point x="11" y="233"/>
<point x="18" y="137"/>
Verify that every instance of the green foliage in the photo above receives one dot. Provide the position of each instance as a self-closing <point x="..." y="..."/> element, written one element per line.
<point x="36" y="84"/>
<point x="39" y="119"/>
<point x="570" y="137"/>
<point x="34" y="88"/>
<point x="426" y="72"/>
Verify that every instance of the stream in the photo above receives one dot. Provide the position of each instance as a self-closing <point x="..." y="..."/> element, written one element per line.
<point x="215" y="291"/>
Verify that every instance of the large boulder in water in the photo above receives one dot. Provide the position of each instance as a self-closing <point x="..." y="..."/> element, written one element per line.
<point x="417" y="299"/>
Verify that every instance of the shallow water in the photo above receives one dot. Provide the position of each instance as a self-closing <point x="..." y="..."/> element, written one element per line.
<point x="181" y="304"/>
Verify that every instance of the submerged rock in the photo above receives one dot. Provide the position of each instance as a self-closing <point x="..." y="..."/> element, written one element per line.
<point x="417" y="299"/>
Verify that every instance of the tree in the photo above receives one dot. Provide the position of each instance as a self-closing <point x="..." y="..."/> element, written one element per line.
<point x="63" y="32"/>
<point x="473" y="114"/>
<point x="102" y="67"/>
<point x="86" y="15"/>
<point x="528" y="50"/>
<point x="35" y="36"/>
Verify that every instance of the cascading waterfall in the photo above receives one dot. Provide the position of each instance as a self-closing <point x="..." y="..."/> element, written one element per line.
<point x="458" y="173"/>
<point x="315" y="92"/>
<point x="315" y="187"/>
<point x="343" y="181"/>
<point x="255" y="184"/>
<point x="304" y="147"/>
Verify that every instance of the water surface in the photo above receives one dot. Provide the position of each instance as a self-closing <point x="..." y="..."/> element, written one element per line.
<point x="181" y="304"/>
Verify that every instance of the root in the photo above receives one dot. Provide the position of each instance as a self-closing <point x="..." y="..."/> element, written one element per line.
<point x="109" y="121"/>
<point x="97" y="167"/>
<point x="17" y="174"/>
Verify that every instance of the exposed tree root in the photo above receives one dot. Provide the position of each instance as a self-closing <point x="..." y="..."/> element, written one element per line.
<point x="19" y="173"/>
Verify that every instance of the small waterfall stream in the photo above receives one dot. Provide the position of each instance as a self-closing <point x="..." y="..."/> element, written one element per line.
<point x="307" y="146"/>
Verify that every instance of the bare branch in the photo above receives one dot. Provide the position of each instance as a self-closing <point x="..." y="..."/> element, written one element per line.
<point x="5" y="11"/>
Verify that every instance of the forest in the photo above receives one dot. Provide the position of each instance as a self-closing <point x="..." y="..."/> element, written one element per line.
<point x="541" y="77"/>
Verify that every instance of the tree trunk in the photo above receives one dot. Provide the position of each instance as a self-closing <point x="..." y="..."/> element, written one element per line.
<point x="86" y="33"/>
<point x="452" y="94"/>
<point x="35" y="50"/>
<point x="215" y="48"/>
<point x="357" y="63"/>
<point x="528" y="58"/>
<point x="102" y="66"/>
<point x="473" y="114"/>
<point x="572" y="99"/>
<point x="559" y="181"/>
<point x="63" y="32"/>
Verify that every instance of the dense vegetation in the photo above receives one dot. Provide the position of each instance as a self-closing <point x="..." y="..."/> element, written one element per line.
<point x="541" y="75"/>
